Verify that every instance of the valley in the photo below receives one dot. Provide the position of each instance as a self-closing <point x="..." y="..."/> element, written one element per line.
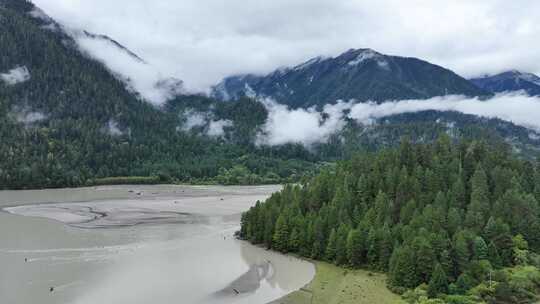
<point x="269" y="152"/>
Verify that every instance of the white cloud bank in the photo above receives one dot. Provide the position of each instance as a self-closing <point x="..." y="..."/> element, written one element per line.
<point x="305" y="126"/>
<point x="200" y="42"/>
<point x="15" y="76"/>
<point x="309" y="126"/>
<point x="139" y="76"/>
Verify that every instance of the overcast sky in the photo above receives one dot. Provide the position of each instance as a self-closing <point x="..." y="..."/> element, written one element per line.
<point x="200" y="42"/>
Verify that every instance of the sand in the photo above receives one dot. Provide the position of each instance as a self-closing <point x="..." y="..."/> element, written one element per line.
<point x="138" y="244"/>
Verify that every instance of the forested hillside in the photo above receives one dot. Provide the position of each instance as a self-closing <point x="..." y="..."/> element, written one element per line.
<point x="462" y="219"/>
<point x="66" y="120"/>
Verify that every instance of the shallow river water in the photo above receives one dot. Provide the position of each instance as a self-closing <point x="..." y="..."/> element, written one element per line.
<point x="137" y="244"/>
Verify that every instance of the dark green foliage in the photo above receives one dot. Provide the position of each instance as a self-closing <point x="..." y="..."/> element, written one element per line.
<point x="493" y="255"/>
<point x="438" y="282"/>
<point x="331" y="247"/>
<point x="480" y="248"/>
<point x="444" y="229"/>
<point x="403" y="268"/>
<point x="355" y="247"/>
<point x="280" y="239"/>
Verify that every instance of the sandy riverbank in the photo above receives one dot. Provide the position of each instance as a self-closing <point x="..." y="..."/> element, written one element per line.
<point x="139" y="244"/>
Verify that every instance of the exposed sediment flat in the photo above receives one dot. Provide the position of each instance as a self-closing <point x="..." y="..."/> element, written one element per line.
<point x="138" y="244"/>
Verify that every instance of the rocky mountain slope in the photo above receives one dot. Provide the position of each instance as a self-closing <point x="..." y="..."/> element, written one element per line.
<point x="510" y="81"/>
<point x="362" y="74"/>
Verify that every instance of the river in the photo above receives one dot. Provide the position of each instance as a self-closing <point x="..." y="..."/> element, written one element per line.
<point x="138" y="244"/>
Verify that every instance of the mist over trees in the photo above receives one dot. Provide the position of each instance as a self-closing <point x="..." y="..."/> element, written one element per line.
<point x="71" y="122"/>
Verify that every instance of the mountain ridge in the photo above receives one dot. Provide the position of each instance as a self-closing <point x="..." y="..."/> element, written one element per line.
<point x="67" y="120"/>
<point x="357" y="74"/>
<point x="509" y="81"/>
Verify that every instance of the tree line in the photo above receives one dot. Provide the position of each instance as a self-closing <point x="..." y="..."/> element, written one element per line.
<point x="74" y="123"/>
<point x="450" y="216"/>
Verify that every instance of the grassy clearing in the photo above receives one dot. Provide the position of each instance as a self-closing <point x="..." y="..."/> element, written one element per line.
<point x="333" y="285"/>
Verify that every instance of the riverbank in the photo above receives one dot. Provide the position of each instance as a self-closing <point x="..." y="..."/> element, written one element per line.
<point x="179" y="238"/>
<point x="333" y="285"/>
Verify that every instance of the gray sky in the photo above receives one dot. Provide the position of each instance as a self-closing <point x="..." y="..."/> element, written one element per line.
<point x="200" y="42"/>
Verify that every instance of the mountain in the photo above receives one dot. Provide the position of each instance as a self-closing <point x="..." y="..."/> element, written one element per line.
<point x="114" y="42"/>
<point x="510" y="81"/>
<point x="67" y="120"/>
<point x="360" y="74"/>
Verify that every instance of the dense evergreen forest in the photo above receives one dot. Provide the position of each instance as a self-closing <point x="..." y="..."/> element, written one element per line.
<point x="449" y="223"/>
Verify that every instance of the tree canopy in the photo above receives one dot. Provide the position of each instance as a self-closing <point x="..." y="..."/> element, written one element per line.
<point x="442" y="214"/>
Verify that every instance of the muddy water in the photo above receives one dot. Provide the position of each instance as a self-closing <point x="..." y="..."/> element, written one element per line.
<point x="137" y="244"/>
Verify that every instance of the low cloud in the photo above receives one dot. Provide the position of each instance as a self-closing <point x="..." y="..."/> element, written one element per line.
<point x="15" y="76"/>
<point x="193" y="119"/>
<point x="217" y="128"/>
<point x="517" y="108"/>
<point x="113" y="128"/>
<point x="306" y="126"/>
<point x="205" y="122"/>
<point x="139" y="76"/>
<point x="29" y="117"/>
<point x="309" y="126"/>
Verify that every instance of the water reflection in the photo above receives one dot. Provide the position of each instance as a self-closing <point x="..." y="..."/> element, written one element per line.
<point x="248" y="282"/>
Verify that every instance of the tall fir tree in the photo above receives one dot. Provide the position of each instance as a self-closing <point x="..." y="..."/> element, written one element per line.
<point x="280" y="240"/>
<point x="331" y="248"/>
<point x="438" y="282"/>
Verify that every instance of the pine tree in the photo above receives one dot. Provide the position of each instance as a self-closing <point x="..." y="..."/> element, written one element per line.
<point x="294" y="241"/>
<point x="341" y="245"/>
<point x="425" y="258"/>
<point x="527" y="177"/>
<point x="280" y="241"/>
<point x="403" y="194"/>
<point x="382" y="208"/>
<point x="493" y="255"/>
<point x="464" y="283"/>
<point x="318" y="248"/>
<point x="385" y="248"/>
<point x="537" y="184"/>
<point x="407" y="211"/>
<point x="403" y="272"/>
<point x="458" y="194"/>
<point x="440" y="200"/>
<point x="355" y="247"/>
<point x="438" y="282"/>
<point x="453" y="221"/>
<point x="462" y="253"/>
<point x="373" y="249"/>
<point x="331" y="248"/>
<point x="495" y="228"/>
<point x="445" y="260"/>
<point x="480" y="249"/>
<point x="479" y="204"/>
